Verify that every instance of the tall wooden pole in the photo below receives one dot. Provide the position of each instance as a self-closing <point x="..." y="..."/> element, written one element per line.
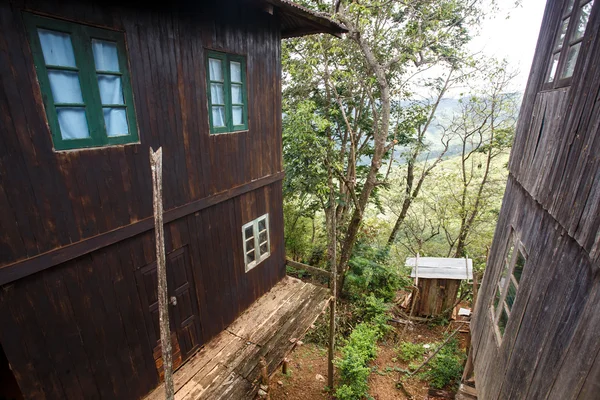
<point x="161" y="271"/>
<point x="333" y="262"/>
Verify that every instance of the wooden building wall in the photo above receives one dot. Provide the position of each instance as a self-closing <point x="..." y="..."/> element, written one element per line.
<point x="52" y="199"/>
<point x="76" y="226"/>
<point x="550" y="348"/>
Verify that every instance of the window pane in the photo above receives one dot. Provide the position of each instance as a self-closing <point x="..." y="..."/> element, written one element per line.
<point x="105" y="55"/>
<point x="57" y="48"/>
<point x="73" y="124"/>
<point x="111" y="91"/>
<point x="262" y="224"/>
<point x="496" y="300"/>
<point x="520" y="263"/>
<point x="264" y="248"/>
<point x="582" y="21"/>
<point x="236" y="72"/>
<point x="511" y="294"/>
<point x="116" y="121"/>
<point x="249" y="232"/>
<point x="218" y="113"/>
<point x="236" y="94"/>
<point x="237" y="115"/>
<point x="250" y="244"/>
<point x="216" y="71"/>
<point x="65" y="86"/>
<point x="553" y="68"/>
<point x="216" y="93"/>
<point x="250" y="257"/>
<point x="570" y="6"/>
<point x="262" y="237"/>
<point x="572" y="55"/>
<point x="502" y="321"/>
<point x="560" y="40"/>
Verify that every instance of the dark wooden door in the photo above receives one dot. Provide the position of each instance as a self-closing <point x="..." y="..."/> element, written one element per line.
<point x="183" y="307"/>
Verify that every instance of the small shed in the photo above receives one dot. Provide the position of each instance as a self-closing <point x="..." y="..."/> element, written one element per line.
<point x="438" y="280"/>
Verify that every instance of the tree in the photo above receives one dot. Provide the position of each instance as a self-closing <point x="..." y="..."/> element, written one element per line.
<point x="358" y="85"/>
<point x="484" y="128"/>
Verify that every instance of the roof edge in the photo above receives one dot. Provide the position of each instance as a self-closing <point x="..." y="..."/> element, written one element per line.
<point x="314" y="22"/>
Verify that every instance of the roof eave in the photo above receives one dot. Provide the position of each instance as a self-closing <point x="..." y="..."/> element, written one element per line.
<point x="313" y="22"/>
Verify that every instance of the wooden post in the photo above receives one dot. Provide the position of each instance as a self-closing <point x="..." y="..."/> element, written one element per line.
<point x="333" y="263"/>
<point x="161" y="271"/>
<point x="284" y="366"/>
<point x="415" y="294"/>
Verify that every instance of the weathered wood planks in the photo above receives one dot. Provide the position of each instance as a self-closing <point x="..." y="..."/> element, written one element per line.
<point x="228" y="366"/>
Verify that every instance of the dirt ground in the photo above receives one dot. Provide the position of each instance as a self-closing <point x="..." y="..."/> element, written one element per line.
<point x="307" y="376"/>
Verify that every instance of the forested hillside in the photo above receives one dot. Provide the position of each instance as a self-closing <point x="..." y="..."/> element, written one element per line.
<point x="396" y="141"/>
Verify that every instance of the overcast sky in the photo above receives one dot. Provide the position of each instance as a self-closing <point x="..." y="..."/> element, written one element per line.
<point x="513" y="38"/>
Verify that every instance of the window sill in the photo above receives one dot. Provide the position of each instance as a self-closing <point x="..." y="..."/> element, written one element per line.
<point x="253" y="264"/>
<point x="215" y="134"/>
<point x="103" y="147"/>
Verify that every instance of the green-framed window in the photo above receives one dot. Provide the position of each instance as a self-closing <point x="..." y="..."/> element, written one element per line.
<point x="85" y="83"/>
<point x="227" y="98"/>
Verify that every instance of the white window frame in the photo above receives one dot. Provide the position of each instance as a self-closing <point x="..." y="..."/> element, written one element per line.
<point x="258" y="256"/>
<point x="502" y="287"/>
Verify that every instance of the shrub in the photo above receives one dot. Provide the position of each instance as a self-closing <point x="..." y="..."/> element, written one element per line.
<point x="359" y="349"/>
<point x="446" y="367"/>
<point x="370" y="273"/>
<point x="410" y="351"/>
<point x="375" y="311"/>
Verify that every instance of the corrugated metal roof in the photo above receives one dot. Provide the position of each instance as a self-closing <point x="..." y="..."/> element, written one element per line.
<point x="441" y="268"/>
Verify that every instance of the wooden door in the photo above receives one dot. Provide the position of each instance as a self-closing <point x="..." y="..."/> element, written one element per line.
<point x="183" y="308"/>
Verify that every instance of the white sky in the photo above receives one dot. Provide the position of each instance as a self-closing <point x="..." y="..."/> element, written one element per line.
<point x="513" y="38"/>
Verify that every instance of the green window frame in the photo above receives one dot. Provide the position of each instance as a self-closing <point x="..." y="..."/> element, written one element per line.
<point x="228" y="104"/>
<point x="81" y="38"/>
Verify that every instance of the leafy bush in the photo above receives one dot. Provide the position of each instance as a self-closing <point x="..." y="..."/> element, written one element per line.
<point x="359" y="349"/>
<point x="374" y="310"/>
<point x="410" y="351"/>
<point x="370" y="273"/>
<point x="446" y="367"/>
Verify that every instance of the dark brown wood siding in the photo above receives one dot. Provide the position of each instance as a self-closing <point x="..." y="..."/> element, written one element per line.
<point x="80" y="329"/>
<point x="81" y="326"/>
<point x="52" y="199"/>
<point x="550" y="348"/>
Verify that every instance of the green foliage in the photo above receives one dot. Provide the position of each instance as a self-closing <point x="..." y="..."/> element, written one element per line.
<point x="376" y="311"/>
<point x="370" y="273"/>
<point x="358" y="351"/>
<point x="446" y="367"/>
<point x="409" y="351"/>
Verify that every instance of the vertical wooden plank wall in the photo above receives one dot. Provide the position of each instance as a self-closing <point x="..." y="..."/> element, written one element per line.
<point x="78" y="330"/>
<point x="52" y="199"/>
<point x="550" y="347"/>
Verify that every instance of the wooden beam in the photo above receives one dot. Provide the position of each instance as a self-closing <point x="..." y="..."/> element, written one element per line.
<point x="161" y="272"/>
<point x="311" y="270"/>
<point x="23" y="268"/>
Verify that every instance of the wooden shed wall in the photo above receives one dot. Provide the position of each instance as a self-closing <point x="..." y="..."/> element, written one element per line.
<point x="550" y="347"/>
<point x="50" y="199"/>
<point x="79" y="331"/>
<point x="436" y="296"/>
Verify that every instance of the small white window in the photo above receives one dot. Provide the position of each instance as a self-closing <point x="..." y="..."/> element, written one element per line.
<point x="257" y="246"/>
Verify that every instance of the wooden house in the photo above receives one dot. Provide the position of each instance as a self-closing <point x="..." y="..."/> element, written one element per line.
<point x="437" y="280"/>
<point x="536" y="327"/>
<point x="86" y="88"/>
